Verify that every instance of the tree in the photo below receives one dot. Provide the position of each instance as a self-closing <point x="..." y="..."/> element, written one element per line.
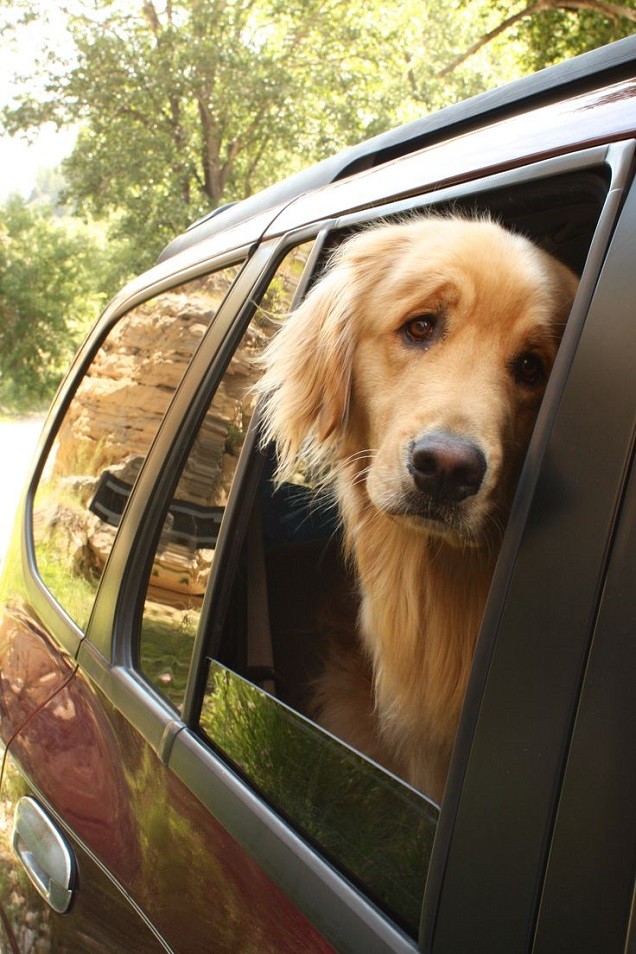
<point x="49" y="186"/>
<point x="47" y="299"/>
<point x="567" y="29"/>
<point x="186" y="104"/>
<point x="196" y="102"/>
<point x="553" y="30"/>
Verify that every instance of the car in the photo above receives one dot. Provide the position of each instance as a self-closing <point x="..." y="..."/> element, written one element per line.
<point x="163" y="788"/>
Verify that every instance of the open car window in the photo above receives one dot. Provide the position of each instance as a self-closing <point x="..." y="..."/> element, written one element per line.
<point x="255" y="568"/>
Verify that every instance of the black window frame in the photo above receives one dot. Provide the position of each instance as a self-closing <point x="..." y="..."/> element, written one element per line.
<point x="203" y="398"/>
<point x="237" y="514"/>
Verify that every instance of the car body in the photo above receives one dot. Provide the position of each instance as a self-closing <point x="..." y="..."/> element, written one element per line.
<point x="161" y="788"/>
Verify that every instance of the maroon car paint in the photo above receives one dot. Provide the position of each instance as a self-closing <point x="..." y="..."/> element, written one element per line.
<point x="32" y="669"/>
<point x="160" y="846"/>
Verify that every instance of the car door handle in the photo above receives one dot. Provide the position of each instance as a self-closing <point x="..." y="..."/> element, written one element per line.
<point x="45" y="854"/>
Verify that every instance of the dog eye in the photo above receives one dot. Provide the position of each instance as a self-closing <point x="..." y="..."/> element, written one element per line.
<point x="418" y="330"/>
<point x="529" y="369"/>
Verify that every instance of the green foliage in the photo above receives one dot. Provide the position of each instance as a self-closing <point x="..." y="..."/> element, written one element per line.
<point x="185" y="106"/>
<point x="556" y="34"/>
<point x="48" y="296"/>
<point x="49" y="186"/>
<point x="199" y="102"/>
<point x="166" y="646"/>
<point x="549" y="31"/>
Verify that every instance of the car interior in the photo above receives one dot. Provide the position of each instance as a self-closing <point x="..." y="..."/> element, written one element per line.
<point x="301" y="550"/>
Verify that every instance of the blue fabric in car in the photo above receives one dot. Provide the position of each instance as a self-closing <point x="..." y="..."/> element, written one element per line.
<point x="292" y="512"/>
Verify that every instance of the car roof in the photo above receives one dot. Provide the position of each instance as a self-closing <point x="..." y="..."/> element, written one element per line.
<point x="583" y="73"/>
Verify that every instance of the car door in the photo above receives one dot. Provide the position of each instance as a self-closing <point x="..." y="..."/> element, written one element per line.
<point x="67" y="817"/>
<point x="214" y="811"/>
<point x="131" y="860"/>
<point x="348" y="844"/>
<point x="587" y="896"/>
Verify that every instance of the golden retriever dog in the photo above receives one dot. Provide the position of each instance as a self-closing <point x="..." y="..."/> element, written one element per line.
<point x="410" y="379"/>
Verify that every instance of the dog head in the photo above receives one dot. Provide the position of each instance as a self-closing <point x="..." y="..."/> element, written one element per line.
<point x="416" y="367"/>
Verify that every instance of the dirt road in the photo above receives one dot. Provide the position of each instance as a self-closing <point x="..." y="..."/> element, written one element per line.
<point x="18" y="439"/>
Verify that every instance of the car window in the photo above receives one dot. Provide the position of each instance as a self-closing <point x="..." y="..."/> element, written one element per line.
<point x="185" y="553"/>
<point x="271" y="589"/>
<point x="106" y="431"/>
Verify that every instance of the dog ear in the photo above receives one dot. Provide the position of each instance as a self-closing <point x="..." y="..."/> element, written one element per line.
<point x="307" y="378"/>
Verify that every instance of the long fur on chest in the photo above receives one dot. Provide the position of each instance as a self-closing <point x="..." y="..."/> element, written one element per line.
<point x="397" y="696"/>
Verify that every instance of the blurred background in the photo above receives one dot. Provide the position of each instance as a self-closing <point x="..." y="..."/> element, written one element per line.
<point x="122" y="121"/>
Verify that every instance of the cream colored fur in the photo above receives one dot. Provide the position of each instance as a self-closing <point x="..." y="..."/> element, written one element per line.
<point x="345" y="389"/>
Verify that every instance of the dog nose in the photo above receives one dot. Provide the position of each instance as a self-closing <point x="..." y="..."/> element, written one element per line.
<point x="446" y="467"/>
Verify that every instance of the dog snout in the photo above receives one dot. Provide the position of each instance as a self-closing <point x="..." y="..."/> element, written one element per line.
<point x="446" y="467"/>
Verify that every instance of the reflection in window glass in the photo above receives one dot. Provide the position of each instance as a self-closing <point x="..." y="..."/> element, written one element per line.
<point x="106" y="433"/>
<point x="184" y="556"/>
<point x="375" y="829"/>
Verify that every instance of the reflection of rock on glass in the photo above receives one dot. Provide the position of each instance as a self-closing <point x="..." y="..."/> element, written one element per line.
<point x="107" y="430"/>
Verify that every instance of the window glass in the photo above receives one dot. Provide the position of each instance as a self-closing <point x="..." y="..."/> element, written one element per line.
<point x="106" y="432"/>
<point x="258" y="703"/>
<point x="376" y="830"/>
<point x="185" y="553"/>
